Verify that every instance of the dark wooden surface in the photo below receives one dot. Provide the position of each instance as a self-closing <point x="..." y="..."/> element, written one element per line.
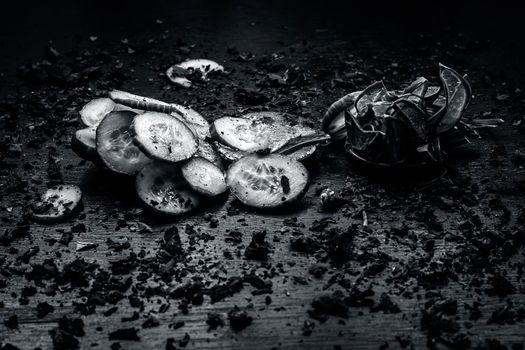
<point x="106" y="199"/>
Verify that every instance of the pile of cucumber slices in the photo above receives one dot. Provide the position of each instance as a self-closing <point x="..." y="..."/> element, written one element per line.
<point x="178" y="158"/>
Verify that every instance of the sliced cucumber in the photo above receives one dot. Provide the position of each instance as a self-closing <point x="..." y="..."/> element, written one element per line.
<point x="115" y="144"/>
<point x="256" y="132"/>
<point x="95" y="110"/>
<point x="204" y="176"/>
<point x="201" y="64"/>
<point x="267" y="182"/>
<point x="274" y="116"/>
<point x="163" y="189"/>
<point x="57" y="204"/>
<point x="207" y="152"/>
<point x="240" y="133"/>
<point x="189" y="116"/>
<point x="177" y="73"/>
<point x="84" y="144"/>
<point x="227" y="153"/>
<point x="193" y="119"/>
<point x="164" y="137"/>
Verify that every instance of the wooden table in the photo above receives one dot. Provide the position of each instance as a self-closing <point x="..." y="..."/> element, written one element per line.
<point x="301" y="35"/>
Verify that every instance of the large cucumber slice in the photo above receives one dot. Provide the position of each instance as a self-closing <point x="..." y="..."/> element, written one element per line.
<point x="162" y="188"/>
<point x="267" y="182"/>
<point x="115" y="144"/>
<point x="259" y="131"/>
<point x="164" y="137"/>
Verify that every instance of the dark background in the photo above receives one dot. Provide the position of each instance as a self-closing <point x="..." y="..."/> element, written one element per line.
<point x="27" y="26"/>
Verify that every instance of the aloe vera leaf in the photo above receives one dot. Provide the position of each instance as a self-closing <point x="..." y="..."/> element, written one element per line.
<point x="418" y="87"/>
<point x="357" y="137"/>
<point x="373" y="93"/>
<point x="330" y="122"/>
<point x="432" y="94"/>
<point x="140" y="102"/>
<point x="484" y="123"/>
<point x="414" y="116"/>
<point x="458" y="94"/>
<point x="303" y="141"/>
<point x="396" y="142"/>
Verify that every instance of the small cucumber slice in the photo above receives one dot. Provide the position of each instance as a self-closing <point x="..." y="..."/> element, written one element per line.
<point x="267" y="182"/>
<point x="84" y="144"/>
<point x="162" y="188"/>
<point x="207" y="152"/>
<point x="164" y="137"/>
<point x="115" y="144"/>
<point x="177" y="73"/>
<point x="204" y="177"/>
<point x="56" y="204"/>
<point x="95" y="110"/>
<point x="227" y="153"/>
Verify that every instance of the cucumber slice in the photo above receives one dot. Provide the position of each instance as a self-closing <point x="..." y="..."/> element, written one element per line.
<point x="115" y="144"/>
<point x="275" y="116"/>
<point x="84" y="144"/>
<point x="177" y="73"/>
<point x="187" y="115"/>
<point x="229" y="154"/>
<point x="207" y="152"/>
<point x="56" y="204"/>
<point x="257" y="132"/>
<point x="267" y="182"/>
<point x="243" y="134"/>
<point x="162" y="188"/>
<point x="204" y="177"/>
<point x="193" y="119"/>
<point x="95" y="110"/>
<point x="302" y="153"/>
<point x="164" y="137"/>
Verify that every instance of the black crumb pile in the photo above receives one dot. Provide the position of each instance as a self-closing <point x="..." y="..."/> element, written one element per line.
<point x="391" y="263"/>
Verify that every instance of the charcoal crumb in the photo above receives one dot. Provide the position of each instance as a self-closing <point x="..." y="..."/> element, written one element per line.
<point x="124" y="334"/>
<point x="239" y="319"/>
<point x="214" y="321"/>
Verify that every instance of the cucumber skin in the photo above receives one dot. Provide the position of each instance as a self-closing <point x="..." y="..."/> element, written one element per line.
<point x="105" y="164"/>
<point x="85" y="152"/>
